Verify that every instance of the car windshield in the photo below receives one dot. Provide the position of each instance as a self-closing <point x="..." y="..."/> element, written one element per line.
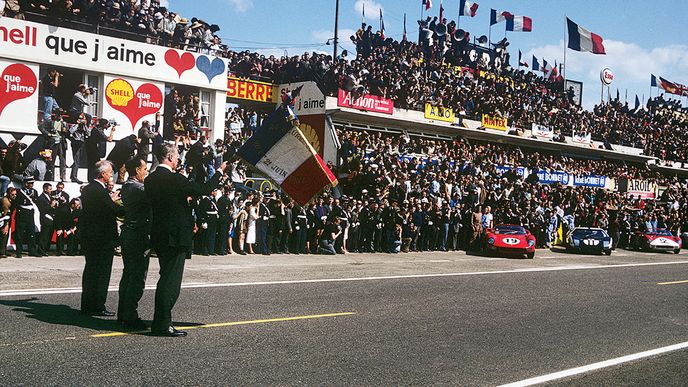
<point x="661" y="232"/>
<point x="583" y="233"/>
<point x="510" y="230"/>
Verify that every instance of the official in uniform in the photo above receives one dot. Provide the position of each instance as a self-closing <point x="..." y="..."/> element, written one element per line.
<point x="263" y="226"/>
<point x="47" y="206"/>
<point x="172" y="226"/>
<point x="98" y="225"/>
<point x="135" y="244"/>
<point x="24" y="221"/>
<point x="207" y="223"/>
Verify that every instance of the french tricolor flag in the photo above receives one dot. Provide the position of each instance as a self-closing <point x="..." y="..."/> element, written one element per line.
<point x="279" y="150"/>
<point x="498" y="17"/>
<point x="467" y="9"/>
<point x="519" y="24"/>
<point x="581" y="39"/>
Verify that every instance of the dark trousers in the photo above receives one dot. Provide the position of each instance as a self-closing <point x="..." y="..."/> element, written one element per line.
<point x="300" y="240"/>
<point x="171" y="261"/>
<point x="133" y="276"/>
<point x="3" y="242"/>
<point x="222" y="236"/>
<point x="24" y="233"/>
<point x="262" y="233"/>
<point x="60" y="151"/>
<point x="352" y="242"/>
<point x="285" y="235"/>
<point x="96" y="278"/>
<point x="45" y="237"/>
<point x="208" y="241"/>
<point x="76" y="155"/>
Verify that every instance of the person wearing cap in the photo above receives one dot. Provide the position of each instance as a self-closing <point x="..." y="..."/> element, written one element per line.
<point x="300" y="227"/>
<point x="24" y="218"/>
<point x="6" y="208"/>
<point x="40" y="168"/>
<point x="208" y="216"/>
<point x="263" y="225"/>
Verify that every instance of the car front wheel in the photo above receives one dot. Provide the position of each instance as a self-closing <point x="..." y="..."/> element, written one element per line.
<point x="676" y="251"/>
<point x="530" y="255"/>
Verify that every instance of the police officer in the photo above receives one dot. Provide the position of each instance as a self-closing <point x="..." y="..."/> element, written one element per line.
<point x="225" y="208"/>
<point x="300" y="230"/>
<point x="47" y="206"/>
<point x="338" y="212"/>
<point x="25" y="227"/>
<point x="135" y="236"/>
<point x="367" y="227"/>
<point x="263" y="226"/>
<point x="207" y="223"/>
<point x="276" y="223"/>
<point x="354" y="228"/>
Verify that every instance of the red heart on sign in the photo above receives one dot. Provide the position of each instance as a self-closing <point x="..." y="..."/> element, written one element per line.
<point x="147" y="99"/>
<point x="18" y="81"/>
<point x="180" y="63"/>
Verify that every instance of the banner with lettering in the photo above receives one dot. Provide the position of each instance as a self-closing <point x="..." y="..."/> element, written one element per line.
<point x="366" y="102"/>
<point x="552" y="177"/>
<point x="491" y="122"/>
<point x="582" y="138"/>
<point x="251" y="90"/>
<point x="130" y="101"/>
<point x="637" y="188"/>
<point x="18" y="97"/>
<point x="44" y="44"/>
<point x="590" y="181"/>
<point x="439" y="113"/>
<point x="542" y="132"/>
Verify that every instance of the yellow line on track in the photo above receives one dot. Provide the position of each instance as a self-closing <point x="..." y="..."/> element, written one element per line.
<point x="229" y="324"/>
<point x="673" y="282"/>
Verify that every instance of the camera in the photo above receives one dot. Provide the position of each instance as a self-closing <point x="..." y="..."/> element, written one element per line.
<point x="112" y="123"/>
<point x="93" y="89"/>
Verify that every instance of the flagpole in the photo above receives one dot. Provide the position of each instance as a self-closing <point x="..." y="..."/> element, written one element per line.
<point x="458" y="17"/>
<point x="422" y="13"/>
<point x="336" y="30"/>
<point x="564" y="69"/>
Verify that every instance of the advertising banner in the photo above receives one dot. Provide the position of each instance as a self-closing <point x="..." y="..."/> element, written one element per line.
<point x="490" y="122"/>
<point x="251" y="90"/>
<point x="582" y="138"/>
<point x="590" y="181"/>
<point x="57" y="46"/>
<point x="18" y="97"/>
<point x="130" y="101"/>
<point x="542" y="132"/>
<point x="310" y="99"/>
<point x="366" y="102"/>
<point x="552" y="177"/>
<point x="439" y="113"/>
<point x="638" y="188"/>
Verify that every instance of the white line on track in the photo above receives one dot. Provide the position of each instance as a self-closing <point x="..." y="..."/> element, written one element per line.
<point x="36" y="292"/>
<point x="597" y="366"/>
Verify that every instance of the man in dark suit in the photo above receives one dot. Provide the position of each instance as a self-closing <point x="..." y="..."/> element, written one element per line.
<point x="172" y="225"/>
<point x="47" y="207"/>
<point x="135" y="244"/>
<point x="98" y="226"/>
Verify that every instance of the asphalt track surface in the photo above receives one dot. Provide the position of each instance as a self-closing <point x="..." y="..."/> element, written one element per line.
<point x="424" y="319"/>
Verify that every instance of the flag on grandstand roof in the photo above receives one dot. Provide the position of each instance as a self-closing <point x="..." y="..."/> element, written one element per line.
<point x="673" y="87"/>
<point x="441" y="11"/>
<point x="382" y="25"/>
<point x="363" y="13"/>
<point x="467" y="9"/>
<point x="637" y="102"/>
<point x="520" y="62"/>
<point x="581" y="39"/>
<point x="546" y="68"/>
<point x="427" y="4"/>
<point x="519" y="24"/>
<point x="498" y="17"/>
<point x="279" y="150"/>
<point x="536" y="64"/>
<point x="404" y="38"/>
<point x="653" y="80"/>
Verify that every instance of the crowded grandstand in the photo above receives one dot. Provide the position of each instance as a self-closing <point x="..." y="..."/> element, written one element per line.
<point x="518" y="148"/>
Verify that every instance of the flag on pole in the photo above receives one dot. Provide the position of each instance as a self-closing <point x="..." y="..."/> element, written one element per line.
<point x="280" y="151"/>
<point x="520" y="62"/>
<point x="519" y="24"/>
<point x="382" y="25"/>
<point x="546" y="68"/>
<point x="536" y="64"/>
<point x="404" y="38"/>
<point x="441" y="11"/>
<point x="498" y="17"/>
<point x="653" y="80"/>
<point x="427" y="4"/>
<point x="581" y="39"/>
<point x="637" y="102"/>
<point x="467" y="9"/>
<point x="363" y="13"/>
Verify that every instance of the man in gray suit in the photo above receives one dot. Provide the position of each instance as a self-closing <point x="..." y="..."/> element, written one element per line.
<point x="135" y="236"/>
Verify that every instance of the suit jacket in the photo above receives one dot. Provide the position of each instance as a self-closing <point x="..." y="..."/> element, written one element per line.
<point x="47" y="212"/>
<point x="172" y="221"/>
<point x="98" y="222"/>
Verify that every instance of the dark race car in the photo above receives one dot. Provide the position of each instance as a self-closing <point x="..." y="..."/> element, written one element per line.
<point x="509" y="240"/>
<point x="589" y="240"/>
<point x="660" y="240"/>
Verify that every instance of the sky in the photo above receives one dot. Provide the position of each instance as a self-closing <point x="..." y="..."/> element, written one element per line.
<point x="640" y="37"/>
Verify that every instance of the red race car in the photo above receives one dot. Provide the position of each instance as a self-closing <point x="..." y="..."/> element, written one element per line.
<point x="660" y="240"/>
<point x="509" y="240"/>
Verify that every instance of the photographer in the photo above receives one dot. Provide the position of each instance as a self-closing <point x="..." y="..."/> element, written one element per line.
<point x="95" y="144"/>
<point x="56" y="132"/>
<point x="80" y="101"/>
<point x="49" y="84"/>
<point x="77" y="136"/>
